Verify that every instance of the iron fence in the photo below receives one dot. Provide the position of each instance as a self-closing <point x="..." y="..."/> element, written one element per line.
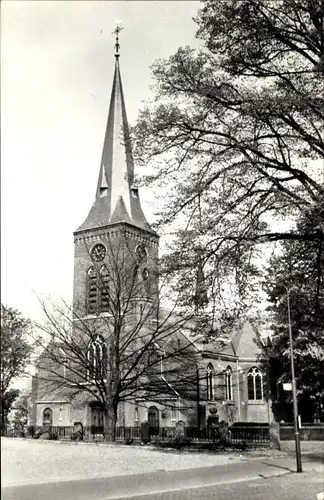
<point x="252" y="435"/>
<point x="125" y="433"/>
<point x="257" y="435"/>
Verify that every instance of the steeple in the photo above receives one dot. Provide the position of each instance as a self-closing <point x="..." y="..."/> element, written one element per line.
<point x="117" y="199"/>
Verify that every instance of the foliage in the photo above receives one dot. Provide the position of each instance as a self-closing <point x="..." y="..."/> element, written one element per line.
<point x="300" y="267"/>
<point x="16" y="349"/>
<point x="20" y="419"/>
<point x="235" y="134"/>
<point x="7" y="401"/>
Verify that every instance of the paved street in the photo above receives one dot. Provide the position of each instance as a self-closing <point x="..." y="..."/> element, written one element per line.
<point x="126" y="471"/>
<point x="287" y="487"/>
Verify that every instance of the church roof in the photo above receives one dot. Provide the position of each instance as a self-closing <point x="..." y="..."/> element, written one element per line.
<point x="117" y="200"/>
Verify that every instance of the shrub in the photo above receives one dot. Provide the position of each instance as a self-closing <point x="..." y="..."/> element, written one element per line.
<point x="240" y="446"/>
<point x="31" y="429"/>
<point x="129" y="441"/>
<point x="37" y="433"/>
<point x="77" y="436"/>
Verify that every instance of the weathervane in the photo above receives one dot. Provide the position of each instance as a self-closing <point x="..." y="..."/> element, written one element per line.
<point x="117" y="46"/>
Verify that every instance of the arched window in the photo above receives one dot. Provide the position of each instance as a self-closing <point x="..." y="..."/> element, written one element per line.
<point x="254" y="379"/>
<point x="47" y="416"/>
<point x="92" y="291"/>
<point x="210" y="382"/>
<point x="228" y="384"/>
<point x="98" y="290"/>
<point x="136" y="415"/>
<point x="104" y="289"/>
<point x="97" y="359"/>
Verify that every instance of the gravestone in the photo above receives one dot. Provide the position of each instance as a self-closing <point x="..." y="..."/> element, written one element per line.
<point x="274" y="435"/>
<point x="212" y="424"/>
<point x="180" y="429"/>
<point x="77" y="431"/>
<point x="223" y="433"/>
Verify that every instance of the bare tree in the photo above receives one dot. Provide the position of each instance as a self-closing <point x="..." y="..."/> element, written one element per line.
<point x="125" y="346"/>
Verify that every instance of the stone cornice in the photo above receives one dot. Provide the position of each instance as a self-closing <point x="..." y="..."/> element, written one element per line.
<point x="251" y="359"/>
<point x="114" y="231"/>
<point x="219" y="356"/>
<point x="47" y="402"/>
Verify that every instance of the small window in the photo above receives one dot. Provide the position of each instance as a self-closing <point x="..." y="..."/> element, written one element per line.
<point x="161" y="364"/>
<point x="173" y="414"/>
<point x="254" y="380"/>
<point x="210" y="382"/>
<point x="136" y="415"/>
<point x="135" y="271"/>
<point x="145" y="274"/>
<point x="146" y="281"/>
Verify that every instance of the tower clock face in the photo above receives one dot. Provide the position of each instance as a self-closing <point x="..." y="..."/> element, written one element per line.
<point x="98" y="252"/>
<point x="141" y="253"/>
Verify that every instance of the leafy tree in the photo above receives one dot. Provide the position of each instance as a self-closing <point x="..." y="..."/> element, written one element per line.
<point x="300" y="267"/>
<point x="16" y="349"/>
<point x="7" y="401"/>
<point x="22" y="408"/>
<point x="235" y="129"/>
<point x="132" y="349"/>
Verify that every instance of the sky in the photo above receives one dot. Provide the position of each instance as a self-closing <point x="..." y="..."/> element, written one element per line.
<point x="57" y="63"/>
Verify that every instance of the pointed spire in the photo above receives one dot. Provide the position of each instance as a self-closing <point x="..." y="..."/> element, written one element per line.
<point x="116" y="174"/>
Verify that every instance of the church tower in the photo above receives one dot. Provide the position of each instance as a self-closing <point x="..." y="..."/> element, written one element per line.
<point x="115" y="234"/>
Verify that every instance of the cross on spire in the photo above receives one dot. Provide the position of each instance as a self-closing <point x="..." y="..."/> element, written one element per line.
<point x="117" y="46"/>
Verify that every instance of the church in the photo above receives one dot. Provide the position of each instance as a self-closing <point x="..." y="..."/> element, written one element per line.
<point x="116" y="294"/>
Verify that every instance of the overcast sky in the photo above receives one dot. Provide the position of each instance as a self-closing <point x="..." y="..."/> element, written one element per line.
<point x="56" y="73"/>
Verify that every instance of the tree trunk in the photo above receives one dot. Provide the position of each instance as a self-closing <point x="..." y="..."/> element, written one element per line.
<point x="110" y="420"/>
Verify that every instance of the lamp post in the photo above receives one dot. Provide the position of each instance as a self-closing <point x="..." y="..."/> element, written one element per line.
<point x="293" y="384"/>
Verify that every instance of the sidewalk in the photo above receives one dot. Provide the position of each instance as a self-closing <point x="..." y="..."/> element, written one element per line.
<point x="306" y="446"/>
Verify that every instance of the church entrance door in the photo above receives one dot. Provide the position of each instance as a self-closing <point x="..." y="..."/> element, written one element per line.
<point x="97" y="419"/>
<point x="153" y="420"/>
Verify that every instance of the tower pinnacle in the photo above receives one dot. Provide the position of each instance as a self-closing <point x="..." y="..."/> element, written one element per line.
<point x="117" y="46"/>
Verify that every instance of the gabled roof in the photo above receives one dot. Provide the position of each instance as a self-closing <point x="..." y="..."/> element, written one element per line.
<point x="245" y="341"/>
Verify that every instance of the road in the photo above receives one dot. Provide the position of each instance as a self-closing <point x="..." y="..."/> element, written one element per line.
<point x="287" y="487"/>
